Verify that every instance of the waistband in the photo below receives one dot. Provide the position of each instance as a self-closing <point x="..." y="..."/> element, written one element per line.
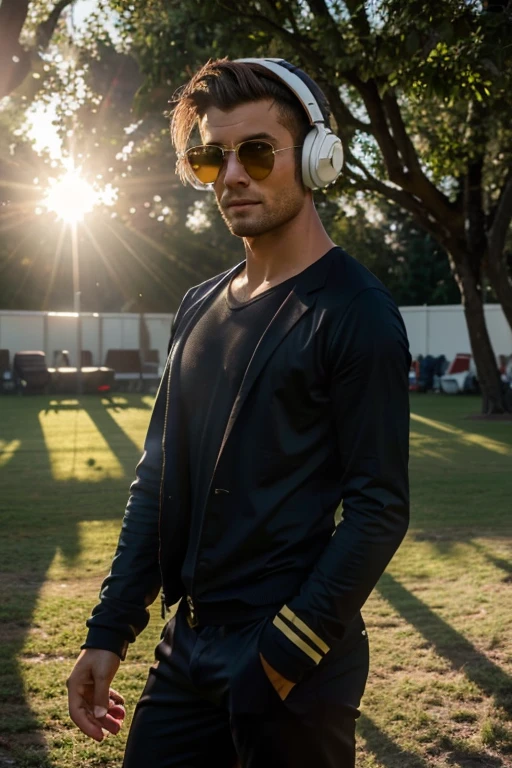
<point x="201" y="614"/>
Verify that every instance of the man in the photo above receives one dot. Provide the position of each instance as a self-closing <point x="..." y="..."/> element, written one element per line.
<point x="285" y="394"/>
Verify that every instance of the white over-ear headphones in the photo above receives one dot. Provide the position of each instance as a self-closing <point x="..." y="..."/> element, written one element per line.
<point x="322" y="152"/>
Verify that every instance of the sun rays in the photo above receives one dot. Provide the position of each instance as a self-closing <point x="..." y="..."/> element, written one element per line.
<point x="49" y="219"/>
<point x="70" y="197"/>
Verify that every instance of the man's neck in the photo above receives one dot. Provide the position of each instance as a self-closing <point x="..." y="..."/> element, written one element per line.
<point x="276" y="256"/>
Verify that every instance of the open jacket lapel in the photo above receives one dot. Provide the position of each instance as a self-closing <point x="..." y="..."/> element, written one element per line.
<point x="196" y="304"/>
<point x="301" y="299"/>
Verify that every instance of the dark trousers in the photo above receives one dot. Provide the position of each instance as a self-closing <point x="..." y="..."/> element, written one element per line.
<point x="208" y="702"/>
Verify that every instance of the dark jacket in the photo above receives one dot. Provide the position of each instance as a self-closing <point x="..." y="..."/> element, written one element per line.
<point x="321" y="418"/>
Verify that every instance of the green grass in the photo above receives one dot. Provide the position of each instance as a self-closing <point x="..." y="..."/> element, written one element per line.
<point x="440" y="620"/>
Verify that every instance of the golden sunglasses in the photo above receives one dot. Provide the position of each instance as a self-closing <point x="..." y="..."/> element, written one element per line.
<point x="256" y="156"/>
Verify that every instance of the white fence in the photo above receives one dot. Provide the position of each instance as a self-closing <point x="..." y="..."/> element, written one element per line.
<point x="431" y="330"/>
<point x="443" y="330"/>
<point x="53" y="331"/>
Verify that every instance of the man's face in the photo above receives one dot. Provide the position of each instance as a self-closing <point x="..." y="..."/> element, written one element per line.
<point x="251" y="208"/>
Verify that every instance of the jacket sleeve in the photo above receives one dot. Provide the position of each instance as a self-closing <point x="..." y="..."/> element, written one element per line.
<point x="134" y="579"/>
<point x="368" y="364"/>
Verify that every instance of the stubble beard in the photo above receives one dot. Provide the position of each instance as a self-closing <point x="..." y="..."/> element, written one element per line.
<point x="266" y="217"/>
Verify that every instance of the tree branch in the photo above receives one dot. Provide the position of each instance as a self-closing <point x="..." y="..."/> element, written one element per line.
<point x="320" y="9"/>
<point x="498" y="268"/>
<point x="414" y="182"/>
<point x="398" y="195"/>
<point x="370" y="183"/>
<point x="474" y="215"/>
<point x="404" y="143"/>
<point x="358" y="17"/>
<point x="14" y="60"/>
<point x="296" y="41"/>
<point x="417" y="181"/>
<point x="46" y="29"/>
<point x="372" y="101"/>
<point x="13" y="14"/>
<point x="283" y="13"/>
<point x="501" y="219"/>
<point x="347" y="122"/>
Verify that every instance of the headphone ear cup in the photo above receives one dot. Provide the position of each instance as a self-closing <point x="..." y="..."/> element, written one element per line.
<point x="307" y="154"/>
<point x="322" y="158"/>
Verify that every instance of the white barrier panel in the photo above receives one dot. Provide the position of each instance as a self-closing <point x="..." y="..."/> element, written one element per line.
<point x="415" y="319"/>
<point x="91" y="337"/>
<point x="499" y="329"/>
<point x="61" y="333"/>
<point x="120" y="331"/>
<point x="21" y="331"/>
<point x="443" y="330"/>
<point x="50" y="332"/>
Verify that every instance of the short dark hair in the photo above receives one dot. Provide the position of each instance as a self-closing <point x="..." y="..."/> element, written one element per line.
<point x="227" y="84"/>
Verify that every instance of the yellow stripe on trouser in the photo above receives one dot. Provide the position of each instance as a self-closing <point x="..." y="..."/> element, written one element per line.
<point x="298" y="641"/>
<point x="293" y="619"/>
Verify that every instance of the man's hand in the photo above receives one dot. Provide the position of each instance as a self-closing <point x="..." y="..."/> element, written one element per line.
<point x="93" y="705"/>
<point x="280" y="683"/>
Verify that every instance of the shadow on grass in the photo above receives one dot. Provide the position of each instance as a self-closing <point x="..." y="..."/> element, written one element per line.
<point x="445" y="542"/>
<point x="41" y="517"/>
<point x="387" y="752"/>
<point x="390" y="755"/>
<point x="448" y="643"/>
<point x="498" y="562"/>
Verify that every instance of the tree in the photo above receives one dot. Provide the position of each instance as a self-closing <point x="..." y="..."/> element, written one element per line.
<point x="19" y="58"/>
<point x="420" y="95"/>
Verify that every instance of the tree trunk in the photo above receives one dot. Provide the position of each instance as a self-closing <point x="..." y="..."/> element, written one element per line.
<point x="491" y="386"/>
<point x="498" y="270"/>
<point x="15" y="61"/>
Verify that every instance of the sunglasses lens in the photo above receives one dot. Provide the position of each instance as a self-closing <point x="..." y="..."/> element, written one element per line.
<point x="257" y="157"/>
<point x="205" y="162"/>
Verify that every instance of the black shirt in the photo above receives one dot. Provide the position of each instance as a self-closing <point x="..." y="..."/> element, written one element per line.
<point x="215" y="357"/>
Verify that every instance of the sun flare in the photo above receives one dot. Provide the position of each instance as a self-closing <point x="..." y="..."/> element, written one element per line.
<point x="71" y="197"/>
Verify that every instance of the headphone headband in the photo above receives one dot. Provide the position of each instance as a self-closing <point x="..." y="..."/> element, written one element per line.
<point x="298" y="86"/>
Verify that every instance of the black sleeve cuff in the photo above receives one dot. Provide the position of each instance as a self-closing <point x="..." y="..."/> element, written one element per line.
<point x="106" y="640"/>
<point x="283" y="655"/>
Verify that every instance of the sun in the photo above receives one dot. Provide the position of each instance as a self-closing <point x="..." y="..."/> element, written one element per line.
<point x="71" y="197"/>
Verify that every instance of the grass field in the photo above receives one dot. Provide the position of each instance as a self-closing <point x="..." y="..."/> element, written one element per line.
<point x="440" y="620"/>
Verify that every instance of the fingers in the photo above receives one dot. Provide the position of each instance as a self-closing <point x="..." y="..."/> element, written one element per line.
<point x="117" y="712"/>
<point x="111" y="724"/>
<point x="280" y="683"/>
<point x="101" y="696"/>
<point x="113" y="720"/>
<point x="80" y="687"/>
<point x="93" y="705"/>
<point x="81" y="715"/>
<point x="115" y="697"/>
